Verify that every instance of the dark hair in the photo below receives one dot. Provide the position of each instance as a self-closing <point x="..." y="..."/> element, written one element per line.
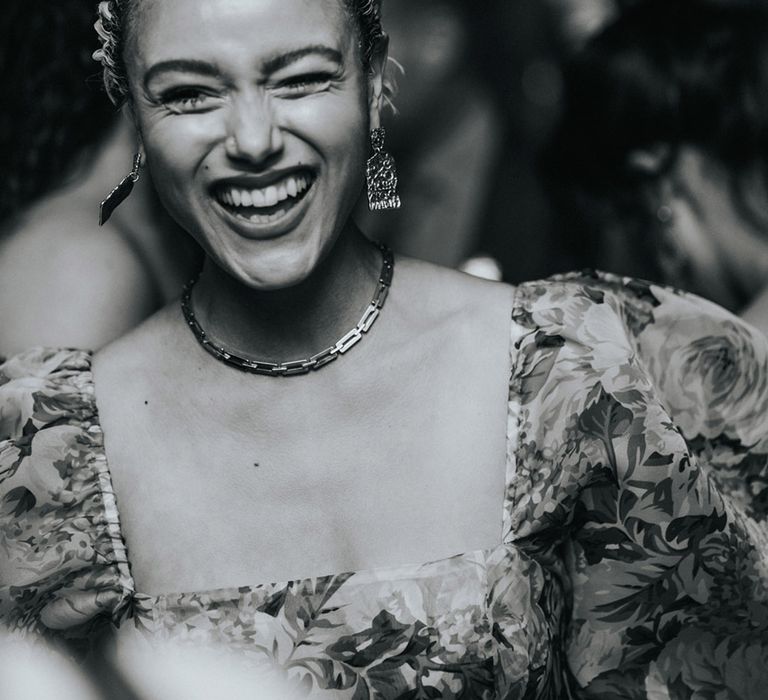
<point x="114" y="16"/>
<point x="664" y="73"/>
<point x="54" y="110"/>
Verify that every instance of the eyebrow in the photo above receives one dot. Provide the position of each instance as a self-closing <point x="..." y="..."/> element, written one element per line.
<point x="181" y="65"/>
<point x="271" y="65"/>
<point x="276" y="63"/>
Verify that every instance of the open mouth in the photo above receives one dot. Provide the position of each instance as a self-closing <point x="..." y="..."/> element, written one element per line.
<point x="265" y="205"/>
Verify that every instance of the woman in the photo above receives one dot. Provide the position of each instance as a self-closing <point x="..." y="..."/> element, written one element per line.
<point x="62" y="143"/>
<point x="660" y="157"/>
<point x="520" y="441"/>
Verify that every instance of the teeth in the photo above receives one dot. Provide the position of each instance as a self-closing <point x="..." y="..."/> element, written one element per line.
<point x="270" y="196"/>
<point x="266" y="218"/>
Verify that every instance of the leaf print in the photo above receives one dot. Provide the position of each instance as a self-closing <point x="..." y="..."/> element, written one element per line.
<point x="691" y="529"/>
<point x="610" y="543"/>
<point x="385" y="637"/>
<point x="659" y="460"/>
<point x="606" y="420"/>
<point x="274" y="602"/>
<point x="17" y="502"/>
<point x="538" y="360"/>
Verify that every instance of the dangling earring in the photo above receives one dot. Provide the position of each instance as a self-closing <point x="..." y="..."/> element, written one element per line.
<point x="381" y="175"/>
<point x="117" y="196"/>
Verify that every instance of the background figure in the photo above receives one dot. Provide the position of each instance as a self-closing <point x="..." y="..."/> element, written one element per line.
<point x="467" y="116"/>
<point x="64" y="148"/>
<point x="659" y="162"/>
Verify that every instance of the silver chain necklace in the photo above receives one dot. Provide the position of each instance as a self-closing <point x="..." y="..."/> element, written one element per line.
<point x="287" y="369"/>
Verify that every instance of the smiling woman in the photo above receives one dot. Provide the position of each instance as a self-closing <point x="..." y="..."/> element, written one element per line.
<point x="463" y="489"/>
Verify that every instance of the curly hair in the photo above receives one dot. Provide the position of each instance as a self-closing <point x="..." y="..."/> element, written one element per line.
<point x="54" y="113"/>
<point x="115" y="18"/>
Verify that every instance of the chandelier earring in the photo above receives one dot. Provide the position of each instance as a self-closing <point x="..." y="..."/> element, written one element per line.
<point x="381" y="175"/>
<point x="118" y="195"/>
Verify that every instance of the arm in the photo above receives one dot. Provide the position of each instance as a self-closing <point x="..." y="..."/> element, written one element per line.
<point x="643" y="473"/>
<point x="669" y="556"/>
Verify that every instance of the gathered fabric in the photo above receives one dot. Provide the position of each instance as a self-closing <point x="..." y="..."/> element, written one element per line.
<point x="633" y="552"/>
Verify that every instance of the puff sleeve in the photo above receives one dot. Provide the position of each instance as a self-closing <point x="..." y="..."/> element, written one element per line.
<point x="644" y="454"/>
<point x="63" y="570"/>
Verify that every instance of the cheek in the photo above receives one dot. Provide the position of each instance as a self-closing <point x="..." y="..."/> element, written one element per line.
<point x="337" y="128"/>
<point x="176" y="149"/>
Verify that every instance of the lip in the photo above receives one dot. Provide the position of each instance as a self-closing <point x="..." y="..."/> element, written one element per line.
<point x="257" y="182"/>
<point x="273" y="229"/>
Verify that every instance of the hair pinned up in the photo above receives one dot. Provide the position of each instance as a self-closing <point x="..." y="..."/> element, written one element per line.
<point x="115" y="16"/>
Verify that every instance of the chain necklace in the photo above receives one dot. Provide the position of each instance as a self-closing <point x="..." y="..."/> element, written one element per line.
<point x="287" y="369"/>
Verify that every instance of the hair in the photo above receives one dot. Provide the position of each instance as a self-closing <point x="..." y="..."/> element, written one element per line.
<point x="54" y="113"/>
<point x="664" y="74"/>
<point x="115" y="19"/>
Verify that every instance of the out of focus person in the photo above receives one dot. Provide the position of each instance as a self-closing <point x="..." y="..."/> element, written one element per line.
<point x="447" y="131"/>
<point x="63" y="279"/>
<point x="473" y="97"/>
<point x="659" y="162"/>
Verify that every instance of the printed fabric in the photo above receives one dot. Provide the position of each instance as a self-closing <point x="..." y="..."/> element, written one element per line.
<point x="633" y="556"/>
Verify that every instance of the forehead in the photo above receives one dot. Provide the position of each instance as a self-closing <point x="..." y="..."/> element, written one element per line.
<point x="235" y="30"/>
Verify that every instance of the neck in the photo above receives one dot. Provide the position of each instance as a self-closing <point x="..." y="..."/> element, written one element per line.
<point x="293" y="323"/>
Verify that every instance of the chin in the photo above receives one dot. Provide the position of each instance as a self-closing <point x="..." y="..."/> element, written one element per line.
<point x="275" y="267"/>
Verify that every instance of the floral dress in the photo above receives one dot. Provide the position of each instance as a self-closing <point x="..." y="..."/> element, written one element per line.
<point x="633" y="552"/>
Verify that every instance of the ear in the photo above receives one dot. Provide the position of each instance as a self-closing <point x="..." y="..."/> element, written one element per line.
<point x="128" y="115"/>
<point x="377" y="81"/>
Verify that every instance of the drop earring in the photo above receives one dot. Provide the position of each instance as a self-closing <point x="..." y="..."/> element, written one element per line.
<point x="381" y="175"/>
<point x="118" y="195"/>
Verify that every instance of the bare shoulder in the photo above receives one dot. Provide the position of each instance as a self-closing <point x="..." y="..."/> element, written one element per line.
<point x="149" y="353"/>
<point x="64" y="281"/>
<point x="451" y="296"/>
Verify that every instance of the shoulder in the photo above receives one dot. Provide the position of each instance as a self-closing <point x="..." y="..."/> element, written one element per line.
<point x="65" y="281"/>
<point x="709" y="367"/>
<point x="444" y="293"/>
<point x="612" y="357"/>
<point x="61" y="565"/>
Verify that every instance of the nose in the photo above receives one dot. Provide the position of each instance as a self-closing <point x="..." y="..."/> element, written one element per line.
<point x="253" y="135"/>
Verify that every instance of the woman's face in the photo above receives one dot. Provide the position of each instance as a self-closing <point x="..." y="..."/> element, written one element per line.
<point x="254" y="115"/>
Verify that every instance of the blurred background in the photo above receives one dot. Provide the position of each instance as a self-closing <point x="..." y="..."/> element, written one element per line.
<point x="531" y="137"/>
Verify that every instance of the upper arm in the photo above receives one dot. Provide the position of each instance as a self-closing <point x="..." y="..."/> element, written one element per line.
<point x="69" y="286"/>
<point x="669" y="558"/>
<point x="644" y="454"/>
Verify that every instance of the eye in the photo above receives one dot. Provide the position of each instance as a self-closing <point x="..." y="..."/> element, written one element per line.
<point x="305" y="84"/>
<point x="187" y="100"/>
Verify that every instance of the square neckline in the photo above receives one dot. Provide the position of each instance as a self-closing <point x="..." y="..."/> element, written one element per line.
<point x="105" y="483"/>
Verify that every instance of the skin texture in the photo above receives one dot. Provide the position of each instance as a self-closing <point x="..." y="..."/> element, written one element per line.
<point x="383" y="435"/>
<point x="251" y="119"/>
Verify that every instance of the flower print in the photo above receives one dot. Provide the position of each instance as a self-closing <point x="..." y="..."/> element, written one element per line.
<point x="711" y="373"/>
<point x="38" y="363"/>
<point x="602" y="331"/>
<point x="48" y="462"/>
<point x="17" y="406"/>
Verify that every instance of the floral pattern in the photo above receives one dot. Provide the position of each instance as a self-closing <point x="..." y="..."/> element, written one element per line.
<point x="634" y="557"/>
